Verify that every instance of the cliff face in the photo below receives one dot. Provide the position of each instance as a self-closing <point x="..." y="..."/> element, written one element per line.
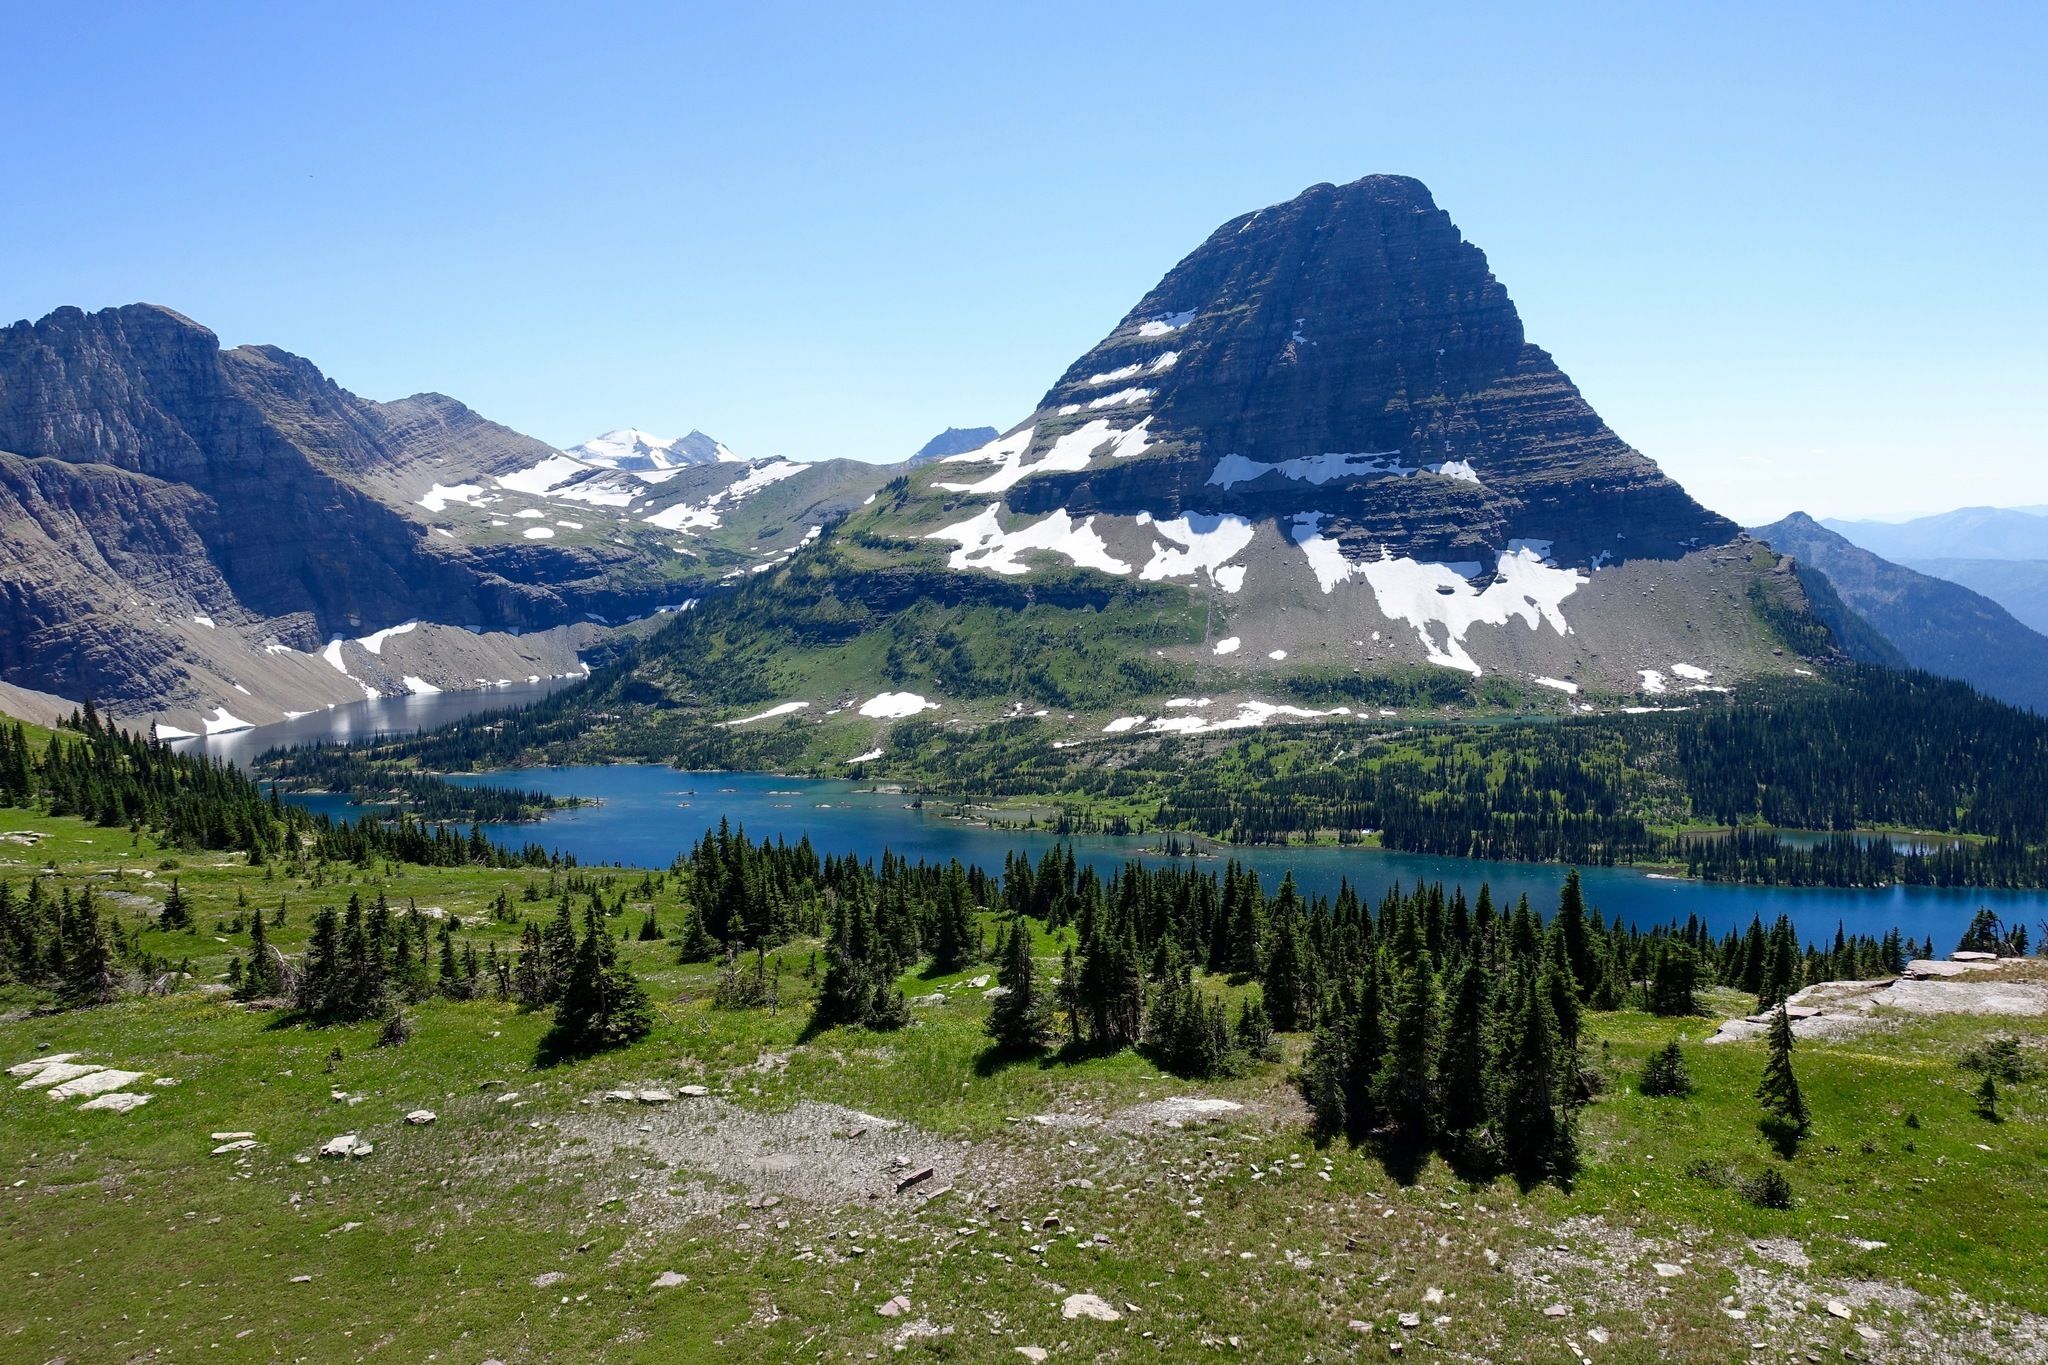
<point x="179" y="523"/>
<point x="1355" y="321"/>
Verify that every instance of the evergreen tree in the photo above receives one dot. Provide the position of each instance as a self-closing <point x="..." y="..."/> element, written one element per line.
<point x="1020" y="1019"/>
<point x="1664" y="1075"/>
<point x="1253" y="1032"/>
<point x="1534" y="1129"/>
<point x="1785" y="1118"/>
<point x="1289" y="983"/>
<point x="260" y="978"/>
<point x="694" y="943"/>
<point x="602" y="1006"/>
<point x="1462" y="1071"/>
<point x="1674" y="980"/>
<point x="1404" y="1088"/>
<point x="177" y="912"/>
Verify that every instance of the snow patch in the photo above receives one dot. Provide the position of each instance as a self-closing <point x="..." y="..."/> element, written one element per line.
<point x="1227" y="645"/>
<point x="784" y="709"/>
<point x="1692" y="672"/>
<point x="171" y="732"/>
<point x="419" y="687"/>
<point x="1068" y="454"/>
<point x="1121" y="398"/>
<point x="1122" y="724"/>
<point x="437" y="498"/>
<point x="868" y="757"/>
<point x="206" y="621"/>
<point x="221" y="722"/>
<point x="1460" y="470"/>
<point x="1653" y="681"/>
<point x="895" y="705"/>
<point x="549" y="474"/>
<point x="539" y="533"/>
<point x="1430" y="596"/>
<point x="1201" y="544"/>
<point x="1277" y="655"/>
<point x="571" y="525"/>
<point x="684" y="516"/>
<point x="1232" y="470"/>
<point x="1165" y="324"/>
<point x="374" y="642"/>
<point x="1557" y="685"/>
<point x="985" y="545"/>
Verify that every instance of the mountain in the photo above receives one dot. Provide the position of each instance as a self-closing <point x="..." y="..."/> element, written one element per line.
<point x="2018" y="585"/>
<point x="1935" y="625"/>
<point x="629" y="448"/>
<point x="1319" y="468"/>
<point x="953" y="441"/>
<point x="1999" y="552"/>
<point x="1969" y="533"/>
<point x="211" y="537"/>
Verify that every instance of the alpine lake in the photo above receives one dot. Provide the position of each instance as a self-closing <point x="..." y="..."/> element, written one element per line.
<point x="644" y="815"/>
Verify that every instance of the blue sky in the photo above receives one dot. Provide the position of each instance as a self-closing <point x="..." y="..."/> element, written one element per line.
<point x="1792" y="252"/>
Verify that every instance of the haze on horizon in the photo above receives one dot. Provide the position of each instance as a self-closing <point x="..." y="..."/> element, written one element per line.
<point x="1791" y="257"/>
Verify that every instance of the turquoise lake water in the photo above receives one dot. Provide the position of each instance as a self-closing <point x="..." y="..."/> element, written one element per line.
<point x="649" y="814"/>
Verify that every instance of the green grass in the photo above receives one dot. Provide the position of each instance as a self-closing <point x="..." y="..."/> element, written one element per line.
<point x="126" y="1238"/>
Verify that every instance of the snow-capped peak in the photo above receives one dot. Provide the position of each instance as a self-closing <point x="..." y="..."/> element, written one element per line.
<point x="632" y="449"/>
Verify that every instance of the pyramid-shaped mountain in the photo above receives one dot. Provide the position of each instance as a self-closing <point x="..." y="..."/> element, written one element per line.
<point x="1319" y="469"/>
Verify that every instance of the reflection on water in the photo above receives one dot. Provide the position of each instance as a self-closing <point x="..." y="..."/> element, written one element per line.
<point x="360" y="720"/>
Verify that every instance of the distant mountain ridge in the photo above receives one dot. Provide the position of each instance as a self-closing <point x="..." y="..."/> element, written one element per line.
<point x="1935" y="625"/>
<point x="629" y="448"/>
<point x="1999" y="552"/>
<point x="217" y="537"/>
<point x="953" y="441"/>
<point x="1968" y="533"/>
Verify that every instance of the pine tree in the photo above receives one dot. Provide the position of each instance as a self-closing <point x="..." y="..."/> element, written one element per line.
<point x="259" y="973"/>
<point x="1253" y="1032"/>
<point x="1289" y="981"/>
<point x="1020" y="1019"/>
<point x="1664" y="1075"/>
<point x="1404" y="1088"/>
<point x="602" y="1005"/>
<point x="1534" y="1130"/>
<point x="1785" y="1118"/>
<point x="1674" y="980"/>
<point x="1462" y="1072"/>
<point x="1987" y="1098"/>
<point x="956" y="940"/>
<point x="177" y="912"/>
<point x="694" y="943"/>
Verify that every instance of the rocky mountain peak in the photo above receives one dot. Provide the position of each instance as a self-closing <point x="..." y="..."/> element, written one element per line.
<point x="1349" y="354"/>
<point x="629" y="448"/>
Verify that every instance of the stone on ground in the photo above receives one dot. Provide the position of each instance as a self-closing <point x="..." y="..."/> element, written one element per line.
<point x="119" y="1101"/>
<point x="238" y="1145"/>
<point x="894" y="1308"/>
<point x="347" y="1145"/>
<point x="670" y="1279"/>
<point x="1088" y="1306"/>
<point x="35" y="1064"/>
<point x="420" y="1117"/>
<point x="97" y="1083"/>
<point x="57" y="1073"/>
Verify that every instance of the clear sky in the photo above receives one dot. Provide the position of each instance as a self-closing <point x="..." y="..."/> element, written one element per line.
<point x="1794" y="252"/>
